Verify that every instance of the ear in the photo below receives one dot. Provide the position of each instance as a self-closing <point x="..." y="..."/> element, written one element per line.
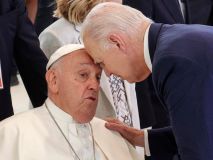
<point x="117" y="40"/>
<point x="52" y="81"/>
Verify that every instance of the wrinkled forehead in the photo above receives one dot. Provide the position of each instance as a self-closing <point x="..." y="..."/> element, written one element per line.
<point x="80" y="60"/>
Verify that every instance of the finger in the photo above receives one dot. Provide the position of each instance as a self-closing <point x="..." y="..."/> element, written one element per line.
<point x="123" y="130"/>
<point x="115" y="127"/>
<point x="110" y="119"/>
<point x="113" y="120"/>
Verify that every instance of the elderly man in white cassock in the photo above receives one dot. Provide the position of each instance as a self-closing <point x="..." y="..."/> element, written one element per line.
<point x="64" y="128"/>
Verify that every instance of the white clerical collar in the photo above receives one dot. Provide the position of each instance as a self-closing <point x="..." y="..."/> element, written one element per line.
<point x="146" y="50"/>
<point x="59" y="113"/>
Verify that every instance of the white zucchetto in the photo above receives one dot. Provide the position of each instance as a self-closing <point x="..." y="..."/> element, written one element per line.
<point x="64" y="50"/>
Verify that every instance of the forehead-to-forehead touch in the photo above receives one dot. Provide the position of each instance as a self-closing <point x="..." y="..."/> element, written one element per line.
<point x="92" y="48"/>
<point x="78" y="59"/>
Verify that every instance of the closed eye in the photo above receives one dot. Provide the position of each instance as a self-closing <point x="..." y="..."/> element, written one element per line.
<point x="84" y="75"/>
<point x="98" y="77"/>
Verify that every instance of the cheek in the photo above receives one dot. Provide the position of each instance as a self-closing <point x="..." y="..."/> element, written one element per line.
<point x="72" y="92"/>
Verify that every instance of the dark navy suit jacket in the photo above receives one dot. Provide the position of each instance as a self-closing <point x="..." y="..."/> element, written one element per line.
<point x="183" y="78"/>
<point x="18" y="40"/>
<point x="151" y="111"/>
<point x="169" y="12"/>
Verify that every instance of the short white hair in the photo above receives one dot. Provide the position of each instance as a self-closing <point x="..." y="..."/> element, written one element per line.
<point x="111" y="17"/>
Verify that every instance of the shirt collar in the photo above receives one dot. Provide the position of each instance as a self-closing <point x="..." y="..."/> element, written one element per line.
<point x="146" y="50"/>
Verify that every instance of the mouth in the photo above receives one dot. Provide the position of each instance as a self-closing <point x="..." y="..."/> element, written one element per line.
<point x="91" y="98"/>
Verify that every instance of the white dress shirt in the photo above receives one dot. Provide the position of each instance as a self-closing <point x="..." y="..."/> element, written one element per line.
<point x="146" y="50"/>
<point x="183" y="9"/>
<point x="149" y="65"/>
<point x="1" y="78"/>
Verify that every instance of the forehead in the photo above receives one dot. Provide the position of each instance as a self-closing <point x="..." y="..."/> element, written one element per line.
<point x="94" y="51"/>
<point x="80" y="59"/>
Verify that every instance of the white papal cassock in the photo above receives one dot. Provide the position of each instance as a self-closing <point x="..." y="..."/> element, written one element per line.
<point x="33" y="135"/>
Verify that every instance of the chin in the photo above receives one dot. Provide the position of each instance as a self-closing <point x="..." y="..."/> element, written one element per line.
<point x="139" y="78"/>
<point x="86" y="118"/>
<point x="130" y="79"/>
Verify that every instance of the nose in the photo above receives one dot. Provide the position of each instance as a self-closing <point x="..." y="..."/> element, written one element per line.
<point x="94" y="84"/>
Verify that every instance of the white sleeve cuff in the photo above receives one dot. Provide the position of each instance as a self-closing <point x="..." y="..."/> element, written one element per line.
<point x="146" y="143"/>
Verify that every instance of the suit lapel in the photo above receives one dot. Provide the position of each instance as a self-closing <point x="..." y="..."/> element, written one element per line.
<point x="111" y="144"/>
<point x="154" y="32"/>
<point x="174" y="9"/>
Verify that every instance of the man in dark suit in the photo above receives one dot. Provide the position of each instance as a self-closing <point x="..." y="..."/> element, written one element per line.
<point x="18" y="40"/>
<point x="180" y="59"/>
<point x="170" y="12"/>
<point x="152" y="113"/>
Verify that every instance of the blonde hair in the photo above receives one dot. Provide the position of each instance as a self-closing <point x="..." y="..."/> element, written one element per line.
<point x="75" y="11"/>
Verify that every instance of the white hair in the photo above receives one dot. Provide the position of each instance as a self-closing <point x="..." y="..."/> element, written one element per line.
<point x="111" y="17"/>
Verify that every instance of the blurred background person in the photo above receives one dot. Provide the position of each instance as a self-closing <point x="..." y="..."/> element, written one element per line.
<point x="44" y="15"/>
<point x="176" y="11"/>
<point x="32" y="7"/>
<point x="19" y="41"/>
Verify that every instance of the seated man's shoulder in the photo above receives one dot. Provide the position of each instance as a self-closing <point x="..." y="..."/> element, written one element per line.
<point x="23" y="118"/>
<point x="99" y="124"/>
<point x="110" y="138"/>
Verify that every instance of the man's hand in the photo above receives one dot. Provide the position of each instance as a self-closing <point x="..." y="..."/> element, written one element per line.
<point x="134" y="136"/>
